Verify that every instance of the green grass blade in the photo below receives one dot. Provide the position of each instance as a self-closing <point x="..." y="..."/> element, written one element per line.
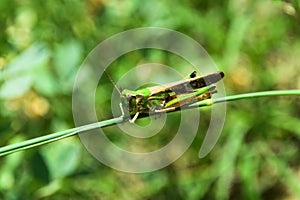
<point x="71" y="132"/>
<point x="56" y="136"/>
<point x="209" y="102"/>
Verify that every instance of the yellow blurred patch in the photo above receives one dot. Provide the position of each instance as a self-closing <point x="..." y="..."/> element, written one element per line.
<point x="35" y="106"/>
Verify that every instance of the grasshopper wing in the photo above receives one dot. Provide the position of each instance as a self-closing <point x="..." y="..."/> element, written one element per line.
<point x="187" y="85"/>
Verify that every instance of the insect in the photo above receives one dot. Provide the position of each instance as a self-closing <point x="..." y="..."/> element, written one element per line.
<point x="170" y="96"/>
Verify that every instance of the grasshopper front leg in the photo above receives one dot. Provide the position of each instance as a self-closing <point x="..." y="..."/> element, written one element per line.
<point x="122" y="110"/>
<point x="134" y="118"/>
<point x="123" y="114"/>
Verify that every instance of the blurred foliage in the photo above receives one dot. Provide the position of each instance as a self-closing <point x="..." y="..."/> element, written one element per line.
<point x="256" y="44"/>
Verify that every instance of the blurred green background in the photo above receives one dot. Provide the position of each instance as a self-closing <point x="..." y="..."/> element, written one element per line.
<point x="256" y="44"/>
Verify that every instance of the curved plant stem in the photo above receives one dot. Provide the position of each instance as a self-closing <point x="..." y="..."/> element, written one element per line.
<point x="71" y="132"/>
<point x="56" y="136"/>
<point x="209" y="102"/>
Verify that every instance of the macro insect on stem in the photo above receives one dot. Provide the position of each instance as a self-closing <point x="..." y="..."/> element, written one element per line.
<point x="168" y="97"/>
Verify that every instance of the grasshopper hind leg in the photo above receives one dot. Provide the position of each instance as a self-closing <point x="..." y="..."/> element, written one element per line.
<point x="165" y="110"/>
<point x="159" y="109"/>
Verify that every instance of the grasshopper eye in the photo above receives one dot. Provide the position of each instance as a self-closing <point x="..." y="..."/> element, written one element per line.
<point x="128" y="96"/>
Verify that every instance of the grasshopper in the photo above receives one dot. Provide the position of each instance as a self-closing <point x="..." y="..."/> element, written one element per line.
<point x="170" y="96"/>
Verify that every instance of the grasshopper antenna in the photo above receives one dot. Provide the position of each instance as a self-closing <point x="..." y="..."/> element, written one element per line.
<point x="115" y="85"/>
<point x="113" y="82"/>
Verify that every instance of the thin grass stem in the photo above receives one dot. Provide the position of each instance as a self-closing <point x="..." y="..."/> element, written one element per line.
<point x="71" y="132"/>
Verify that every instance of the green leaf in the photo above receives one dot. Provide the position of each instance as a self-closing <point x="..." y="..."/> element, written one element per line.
<point x="31" y="59"/>
<point x="226" y="164"/>
<point x="15" y="87"/>
<point x="248" y="168"/>
<point x="45" y="83"/>
<point x="61" y="157"/>
<point x="39" y="168"/>
<point x="8" y="167"/>
<point x="67" y="57"/>
<point x="18" y="76"/>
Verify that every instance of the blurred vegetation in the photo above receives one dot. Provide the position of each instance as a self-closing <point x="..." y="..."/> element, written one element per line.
<point x="256" y="44"/>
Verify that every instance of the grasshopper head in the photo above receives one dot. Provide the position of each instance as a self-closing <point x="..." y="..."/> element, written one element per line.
<point x="128" y="99"/>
